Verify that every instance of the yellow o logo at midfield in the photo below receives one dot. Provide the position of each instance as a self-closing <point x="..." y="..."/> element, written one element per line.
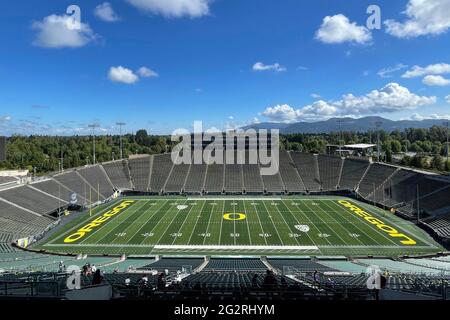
<point x="234" y="216"/>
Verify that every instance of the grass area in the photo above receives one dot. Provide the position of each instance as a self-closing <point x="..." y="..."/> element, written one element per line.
<point x="240" y="226"/>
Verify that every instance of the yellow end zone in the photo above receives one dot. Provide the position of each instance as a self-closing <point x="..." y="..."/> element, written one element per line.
<point x="378" y="223"/>
<point x="98" y="222"/>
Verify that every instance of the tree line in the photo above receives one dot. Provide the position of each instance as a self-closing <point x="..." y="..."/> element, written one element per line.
<point x="420" y="148"/>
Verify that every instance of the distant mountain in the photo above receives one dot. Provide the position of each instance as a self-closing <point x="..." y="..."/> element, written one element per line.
<point x="345" y="124"/>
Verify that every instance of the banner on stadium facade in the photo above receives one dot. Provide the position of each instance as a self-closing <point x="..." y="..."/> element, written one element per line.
<point x="73" y="198"/>
<point x="24" y="242"/>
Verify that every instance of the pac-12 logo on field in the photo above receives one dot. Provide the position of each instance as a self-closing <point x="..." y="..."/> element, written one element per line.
<point x="302" y="227"/>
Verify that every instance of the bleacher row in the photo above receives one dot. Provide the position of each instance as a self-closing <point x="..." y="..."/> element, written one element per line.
<point x="23" y="261"/>
<point x="415" y="275"/>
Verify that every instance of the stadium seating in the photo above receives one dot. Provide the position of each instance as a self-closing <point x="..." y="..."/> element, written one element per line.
<point x="299" y="265"/>
<point x="119" y="174"/>
<point x="441" y="226"/>
<point x="7" y="180"/>
<point x="375" y="177"/>
<point x="444" y="266"/>
<point x="401" y="189"/>
<point x="177" y="178"/>
<point x="86" y="193"/>
<point x="398" y="266"/>
<point x="140" y="172"/>
<point x="98" y="179"/>
<point x="214" y="182"/>
<point x="162" y="166"/>
<point x="235" y="265"/>
<point x="231" y="280"/>
<point x="31" y="199"/>
<point x="233" y="178"/>
<point x="330" y="171"/>
<point x="252" y="179"/>
<point x="436" y="201"/>
<point x="307" y="167"/>
<point x="345" y="266"/>
<point x="53" y="188"/>
<point x="173" y="264"/>
<point x="352" y="172"/>
<point x="289" y="174"/>
<point x="196" y="178"/>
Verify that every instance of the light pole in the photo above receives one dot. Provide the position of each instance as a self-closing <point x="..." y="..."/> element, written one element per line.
<point x="93" y="126"/>
<point x="447" y="125"/>
<point x="120" y="124"/>
<point x="378" y="125"/>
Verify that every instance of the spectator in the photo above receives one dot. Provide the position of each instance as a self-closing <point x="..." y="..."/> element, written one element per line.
<point x="270" y="282"/>
<point x="98" y="277"/>
<point x="161" y="281"/>
<point x="255" y="280"/>
<point x="316" y="278"/>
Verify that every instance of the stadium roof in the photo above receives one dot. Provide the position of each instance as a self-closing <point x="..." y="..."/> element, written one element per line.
<point x="360" y="146"/>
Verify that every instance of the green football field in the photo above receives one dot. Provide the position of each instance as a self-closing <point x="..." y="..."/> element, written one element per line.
<point x="239" y="226"/>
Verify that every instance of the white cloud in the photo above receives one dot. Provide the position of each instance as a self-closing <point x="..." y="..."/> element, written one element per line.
<point x="5" y="119"/>
<point x="315" y="96"/>
<point x="339" y="29"/>
<point x="424" y="17"/>
<point x="145" y="72"/>
<point x="123" y="75"/>
<point x="390" y="98"/>
<point x="447" y="98"/>
<point x="436" y="81"/>
<point x="255" y="120"/>
<point x="106" y="13"/>
<point x="419" y="117"/>
<point x="387" y="72"/>
<point x="417" y="71"/>
<point x="282" y="113"/>
<point x="259" y="66"/>
<point x="173" y="8"/>
<point x="55" y="32"/>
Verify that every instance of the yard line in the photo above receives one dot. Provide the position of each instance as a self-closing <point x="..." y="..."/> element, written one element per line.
<point x="333" y="231"/>
<point x="139" y="221"/>
<point x="234" y="223"/>
<point x="157" y="224"/>
<point x="356" y="225"/>
<point x="343" y="225"/>
<point x="273" y="223"/>
<point x="199" y="215"/>
<point x="129" y="211"/>
<point x="248" y="227"/>
<point x="185" y="218"/>
<point x="148" y="218"/>
<point x="313" y="224"/>
<point x="312" y="241"/>
<point x="221" y="223"/>
<point x="122" y="221"/>
<point x="282" y="216"/>
<point x="398" y="224"/>
<point x="84" y="221"/>
<point x="209" y="221"/>
<point x="168" y="226"/>
<point x="257" y="214"/>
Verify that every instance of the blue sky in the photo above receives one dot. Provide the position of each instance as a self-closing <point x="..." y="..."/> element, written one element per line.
<point x="225" y="62"/>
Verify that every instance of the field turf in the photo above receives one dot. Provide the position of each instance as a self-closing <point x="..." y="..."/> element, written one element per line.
<point x="237" y="227"/>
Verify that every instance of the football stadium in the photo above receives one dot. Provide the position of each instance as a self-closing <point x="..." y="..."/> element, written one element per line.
<point x="219" y="225"/>
<point x="315" y="165"/>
